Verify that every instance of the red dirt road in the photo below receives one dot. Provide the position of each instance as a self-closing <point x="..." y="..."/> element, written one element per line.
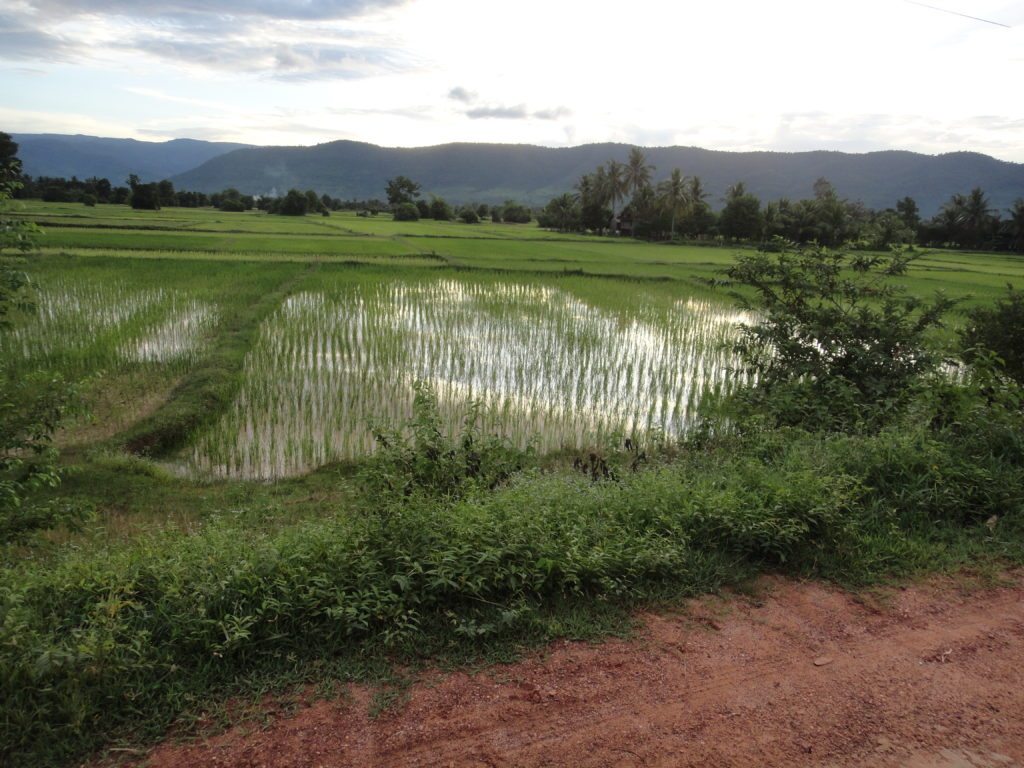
<point x="929" y="677"/>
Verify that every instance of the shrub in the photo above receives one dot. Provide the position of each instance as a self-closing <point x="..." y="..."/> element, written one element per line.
<point x="295" y="203"/>
<point x="515" y="213"/>
<point x="232" y="205"/>
<point x="998" y="329"/>
<point x="31" y="409"/>
<point x="469" y="216"/>
<point x="417" y="457"/>
<point x="836" y="341"/>
<point x="89" y="200"/>
<point x="440" y="210"/>
<point x="406" y="212"/>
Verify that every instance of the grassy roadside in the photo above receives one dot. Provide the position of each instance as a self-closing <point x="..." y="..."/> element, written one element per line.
<point x="118" y="640"/>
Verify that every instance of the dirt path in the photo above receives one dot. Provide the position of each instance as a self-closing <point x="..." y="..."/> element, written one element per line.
<point x="928" y="677"/>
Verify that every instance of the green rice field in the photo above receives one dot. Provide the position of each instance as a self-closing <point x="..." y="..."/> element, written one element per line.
<point x="569" y="341"/>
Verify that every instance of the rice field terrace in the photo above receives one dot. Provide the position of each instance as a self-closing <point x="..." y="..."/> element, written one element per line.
<point x="565" y="341"/>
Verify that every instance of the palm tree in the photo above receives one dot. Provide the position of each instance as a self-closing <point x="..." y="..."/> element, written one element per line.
<point x="674" y="195"/>
<point x="637" y="171"/>
<point x="976" y="215"/>
<point x="697" y="193"/>
<point x="564" y="208"/>
<point x="614" y="186"/>
<point x="1015" y="224"/>
<point x="585" y="189"/>
<point x="599" y="185"/>
<point x="951" y="217"/>
<point x="771" y="220"/>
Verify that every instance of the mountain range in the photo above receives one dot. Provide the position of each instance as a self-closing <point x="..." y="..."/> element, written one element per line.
<point x="54" y="154"/>
<point x="492" y="173"/>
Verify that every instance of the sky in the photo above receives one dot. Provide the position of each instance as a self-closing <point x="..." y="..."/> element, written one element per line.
<point x="788" y="75"/>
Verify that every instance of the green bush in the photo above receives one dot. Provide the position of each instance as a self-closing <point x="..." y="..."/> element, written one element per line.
<point x="406" y="212"/>
<point x="998" y="329"/>
<point x="837" y="342"/>
<point x="417" y="457"/>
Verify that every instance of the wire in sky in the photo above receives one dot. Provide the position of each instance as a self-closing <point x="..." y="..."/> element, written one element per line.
<point x="957" y="13"/>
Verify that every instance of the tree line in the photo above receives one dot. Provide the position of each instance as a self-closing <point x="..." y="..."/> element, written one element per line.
<point x="620" y="198"/>
<point x="406" y="204"/>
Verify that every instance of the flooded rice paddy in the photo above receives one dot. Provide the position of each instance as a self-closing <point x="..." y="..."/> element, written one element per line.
<point x="82" y="327"/>
<point x="544" y="365"/>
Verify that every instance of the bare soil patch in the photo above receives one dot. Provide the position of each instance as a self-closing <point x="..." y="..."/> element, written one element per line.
<point x="930" y="676"/>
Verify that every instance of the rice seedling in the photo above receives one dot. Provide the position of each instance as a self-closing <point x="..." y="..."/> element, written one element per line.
<point x="79" y="327"/>
<point x="542" y="363"/>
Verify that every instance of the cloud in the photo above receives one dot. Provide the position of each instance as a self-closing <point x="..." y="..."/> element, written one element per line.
<point x="458" y="93"/>
<point x="301" y="40"/>
<point x="552" y="114"/>
<point x="196" y="10"/>
<point x="22" y="41"/>
<point x="283" y="61"/>
<point x="517" y="112"/>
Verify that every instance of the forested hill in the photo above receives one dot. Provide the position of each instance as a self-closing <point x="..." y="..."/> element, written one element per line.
<point x="494" y="172"/>
<point x="51" y="154"/>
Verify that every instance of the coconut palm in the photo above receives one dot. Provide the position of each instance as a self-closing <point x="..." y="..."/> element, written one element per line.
<point x="697" y="193"/>
<point x="564" y="209"/>
<point x="585" y="189"/>
<point x="637" y="172"/>
<point x="1015" y="224"/>
<point x="599" y="185"/>
<point x="615" y="186"/>
<point x="976" y="215"/>
<point x="674" y="195"/>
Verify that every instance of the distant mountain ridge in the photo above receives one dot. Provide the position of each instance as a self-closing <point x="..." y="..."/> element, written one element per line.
<point x="492" y="173"/>
<point x="53" y="154"/>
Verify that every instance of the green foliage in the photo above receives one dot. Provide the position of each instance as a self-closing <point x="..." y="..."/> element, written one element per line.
<point x="417" y="457"/>
<point x="741" y="217"/>
<point x="835" y="340"/>
<point x="145" y="197"/>
<point x="31" y="410"/>
<point x="295" y="203"/>
<point x="440" y="210"/>
<point x="515" y="213"/>
<point x="562" y="213"/>
<point x="469" y="215"/>
<point x="110" y="638"/>
<point x="401" y="189"/>
<point x="997" y="329"/>
<point x="406" y="212"/>
<point x="31" y="406"/>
